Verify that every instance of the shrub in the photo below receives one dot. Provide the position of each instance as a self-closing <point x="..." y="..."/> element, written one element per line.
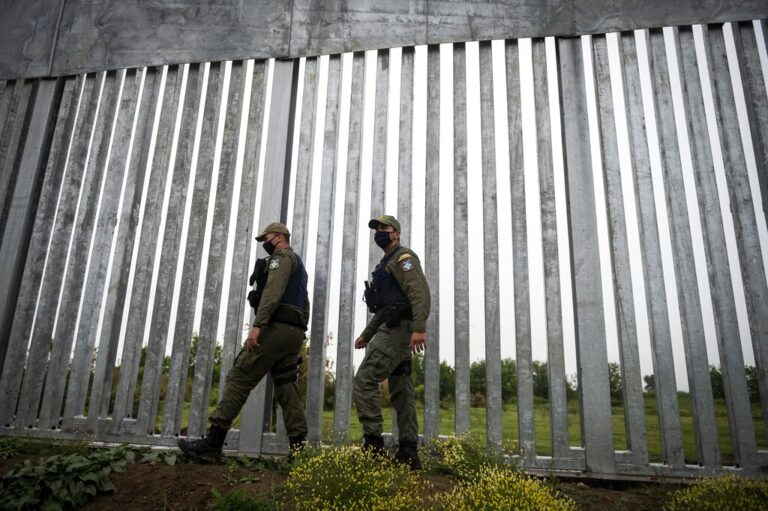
<point x="346" y="478"/>
<point x="729" y="492"/>
<point x="7" y="448"/>
<point x="61" y="482"/>
<point x="238" y="500"/>
<point x="500" y="488"/>
<point x="460" y="456"/>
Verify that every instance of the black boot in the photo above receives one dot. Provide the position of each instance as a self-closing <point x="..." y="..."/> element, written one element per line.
<point x="374" y="443"/>
<point x="407" y="454"/>
<point x="207" y="448"/>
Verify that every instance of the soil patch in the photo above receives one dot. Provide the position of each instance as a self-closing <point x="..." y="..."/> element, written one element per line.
<point x="184" y="486"/>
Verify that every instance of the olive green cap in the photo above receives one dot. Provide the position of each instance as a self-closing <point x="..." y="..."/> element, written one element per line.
<point x="275" y="227"/>
<point x="384" y="220"/>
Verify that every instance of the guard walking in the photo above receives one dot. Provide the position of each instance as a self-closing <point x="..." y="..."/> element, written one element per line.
<point x="281" y="304"/>
<point x="398" y="296"/>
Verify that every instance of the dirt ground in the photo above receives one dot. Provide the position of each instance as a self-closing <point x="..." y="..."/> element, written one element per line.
<point x="190" y="486"/>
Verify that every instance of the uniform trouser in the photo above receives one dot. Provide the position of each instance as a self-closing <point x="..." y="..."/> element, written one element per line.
<point x="387" y="350"/>
<point x="278" y="352"/>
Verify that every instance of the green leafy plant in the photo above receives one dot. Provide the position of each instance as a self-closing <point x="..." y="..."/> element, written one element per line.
<point x="238" y="500"/>
<point x="231" y="478"/>
<point x="349" y="478"/>
<point x="62" y="481"/>
<point x="460" y="456"/>
<point x="496" y="488"/>
<point x="728" y="492"/>
<point x="8" y="448"/>
<point x="168" y="457"/>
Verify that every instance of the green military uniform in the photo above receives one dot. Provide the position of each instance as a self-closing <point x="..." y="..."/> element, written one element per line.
<point x="278" y="352"/>
<point x="389" y="355"/>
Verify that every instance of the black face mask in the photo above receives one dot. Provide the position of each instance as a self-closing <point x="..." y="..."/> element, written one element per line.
<point x="381" y="238"/>
<point x="269" y="248"/>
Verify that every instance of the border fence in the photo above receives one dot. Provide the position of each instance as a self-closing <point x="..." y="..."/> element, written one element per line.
<point x="130" y="196"/>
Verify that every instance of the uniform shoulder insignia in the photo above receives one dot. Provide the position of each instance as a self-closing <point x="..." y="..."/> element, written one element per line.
<point x="407" y="265"/>
<point x="403" y="257"/>
<point x="274" y="263"/>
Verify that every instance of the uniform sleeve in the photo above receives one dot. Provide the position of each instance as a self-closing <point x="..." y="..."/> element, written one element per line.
<point x="279" y="270"/>
<point x="406" y="269"/>
<point x="371" y="327"/>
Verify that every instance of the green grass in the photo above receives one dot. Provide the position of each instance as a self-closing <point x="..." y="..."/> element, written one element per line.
<point x="543" y="430"/>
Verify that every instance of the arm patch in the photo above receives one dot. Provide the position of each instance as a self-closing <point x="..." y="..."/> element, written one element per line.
<point x="404" y="256"/>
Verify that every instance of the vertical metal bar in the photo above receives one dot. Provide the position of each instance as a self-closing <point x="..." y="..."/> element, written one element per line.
<point x="35" y="149"/>
<point x="199" y="159"/>
<point x="405" y="161"/>
<point x="740" y="199"/>
<point x="698" y="174"/>
<point x="12" y="140"/>
<point x="665" y="169"/>
<point x="179" y="131"/>
<point x="12" y="131"/>
<point x="304" y="170"/>
<point x="117" y="274"/>
<point x="223" y="175"/>
<point x="240" y="270"/>
<point x="634" y="411"/>
<point x="379" y="164"/>
<point x="494" y="405"/>
<point x="60" y="343"/>
<point x="525" y="418"/>
<point x="84" y="335"/>
<point x="592" y="359"/>
<point x="320" y="312"/>
<point x="461" y="232"/>
<point x="642" y="143"/>
<point x="277" y="171"/>
<point x="555" y="347"/>
<point x="87" y="332"/>
<point x="348" y="293"/>
<point x="133" y="318"/>
<point x="32" y="279"/>
<point x="432" y="247"/>
<point x="753" y="125"/>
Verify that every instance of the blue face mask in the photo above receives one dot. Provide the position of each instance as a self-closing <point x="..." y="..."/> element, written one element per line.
<point x="381" y="238"/>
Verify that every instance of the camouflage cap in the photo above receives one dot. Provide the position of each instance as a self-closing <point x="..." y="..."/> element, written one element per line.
<point x="275" y="227"/>
<point x="385" y="220"/>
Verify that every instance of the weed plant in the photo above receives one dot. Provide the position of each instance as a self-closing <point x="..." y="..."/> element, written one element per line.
<point x="459" y="456"/>
<point x="342" y="478"/>
<point x="238" y="500"/>
<point x="729" y="492"/>
<point x="496" y="488"/>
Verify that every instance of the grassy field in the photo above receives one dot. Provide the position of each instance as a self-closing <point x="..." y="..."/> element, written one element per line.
<point x="543" y="431"/>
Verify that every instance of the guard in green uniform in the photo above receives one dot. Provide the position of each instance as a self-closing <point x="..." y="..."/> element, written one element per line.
<point x="399" y="299"/>
<point x="281" y="304"/>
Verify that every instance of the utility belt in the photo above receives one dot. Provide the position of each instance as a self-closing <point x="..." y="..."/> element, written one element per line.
<point x="283" y="314"/>
<point x="393" y="314"/>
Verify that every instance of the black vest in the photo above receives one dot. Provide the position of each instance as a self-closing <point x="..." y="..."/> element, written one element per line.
<point x="388" y="291"/>
<point x="296" y="290"/>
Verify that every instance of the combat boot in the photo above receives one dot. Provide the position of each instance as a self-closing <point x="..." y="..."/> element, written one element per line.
<point x="374" y="444"/>
<point x="207" y="448"/>
<point x="407" y="454"/>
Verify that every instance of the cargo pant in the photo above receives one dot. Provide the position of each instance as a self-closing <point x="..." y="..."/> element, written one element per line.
<point x="388" y="349"/>
<point x="278" y="351"/>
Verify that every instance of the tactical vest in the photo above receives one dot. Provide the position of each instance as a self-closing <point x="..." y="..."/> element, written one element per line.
<point x="294" y="299"/>
<point x="388" y="291"/>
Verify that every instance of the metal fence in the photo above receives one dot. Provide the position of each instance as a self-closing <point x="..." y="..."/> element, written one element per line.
<point x="118" y="187"/>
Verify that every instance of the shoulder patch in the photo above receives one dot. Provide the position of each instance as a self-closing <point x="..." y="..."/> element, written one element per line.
<point x="404" y="256"/>
<point x="274" y="264"/>
<point x="407" y="265"/>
